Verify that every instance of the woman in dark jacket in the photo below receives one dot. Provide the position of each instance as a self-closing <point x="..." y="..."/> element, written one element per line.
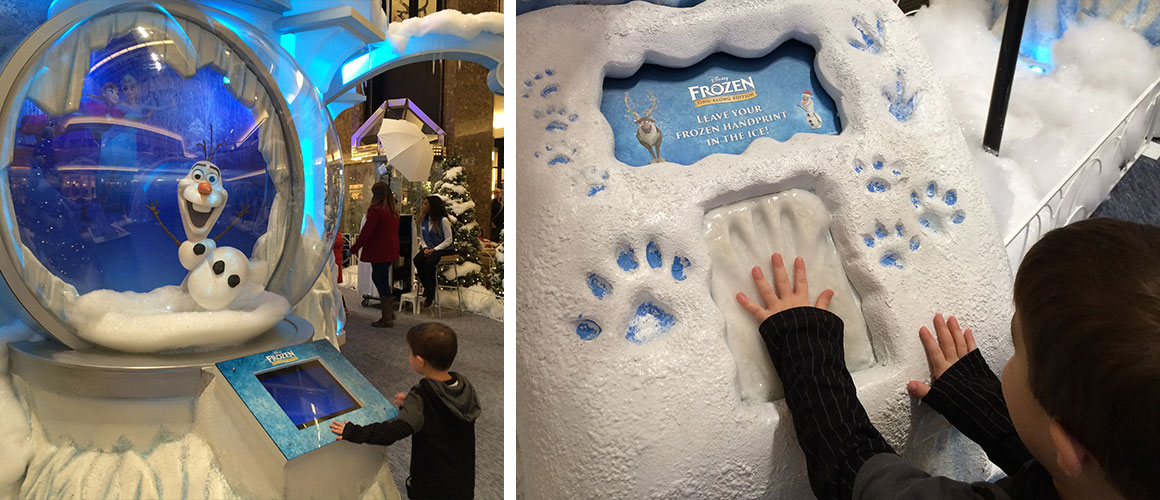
<point x="379" y="241"/>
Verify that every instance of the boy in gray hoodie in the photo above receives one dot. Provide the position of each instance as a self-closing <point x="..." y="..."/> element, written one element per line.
<point x="440" y="413"/>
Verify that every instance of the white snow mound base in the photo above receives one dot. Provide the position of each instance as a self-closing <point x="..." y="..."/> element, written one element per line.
<point x="168" y="318"/>
<point x="608" y="415"/>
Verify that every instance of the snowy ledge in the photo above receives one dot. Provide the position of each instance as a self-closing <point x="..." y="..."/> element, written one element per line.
<point x="445" y="22"/>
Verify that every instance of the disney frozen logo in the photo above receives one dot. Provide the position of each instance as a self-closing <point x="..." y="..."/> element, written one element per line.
<point x="722" y="89"/>
<point x="280" y="357"/>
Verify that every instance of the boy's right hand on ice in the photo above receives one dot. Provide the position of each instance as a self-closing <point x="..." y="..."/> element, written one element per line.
<point x="953" y="343"/>
<point x="788" y="295"/>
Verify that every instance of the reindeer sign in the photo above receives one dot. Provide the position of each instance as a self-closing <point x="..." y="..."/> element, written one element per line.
<point x="720" y="104"/>
<point x="647" y="132"/>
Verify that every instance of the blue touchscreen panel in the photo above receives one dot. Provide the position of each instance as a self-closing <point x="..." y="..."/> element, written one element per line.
<point x="308" y="393"/>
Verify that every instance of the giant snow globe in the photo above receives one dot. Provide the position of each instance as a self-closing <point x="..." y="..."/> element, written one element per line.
<point x="171" y="181"/>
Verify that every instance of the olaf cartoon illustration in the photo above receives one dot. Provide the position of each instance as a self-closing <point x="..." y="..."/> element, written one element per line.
<point x="216" y="274"/>
<point x="807" y="105"/>
<point x="646" y="131"/>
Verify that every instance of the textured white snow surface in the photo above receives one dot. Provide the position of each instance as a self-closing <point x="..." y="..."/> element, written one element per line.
<point x="1053" y="118"/>
<point x="179" y="469"/>
<point x="445" y="22"/>
<point x="663" y="416"/>
<point x="15" y="432"/>
<point x="168" y="318"/>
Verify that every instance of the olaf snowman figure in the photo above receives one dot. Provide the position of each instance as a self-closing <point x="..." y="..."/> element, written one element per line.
<point x="807" y="105"/>
<point x="217" y="275"/>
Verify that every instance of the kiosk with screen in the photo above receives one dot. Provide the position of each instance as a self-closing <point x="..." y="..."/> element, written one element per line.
<point x="171" y="181"/>
<point x="295" y="392"/>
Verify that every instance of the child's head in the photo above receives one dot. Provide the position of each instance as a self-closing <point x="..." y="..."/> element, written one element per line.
<point x="1085" y="377"/>
<point x="435" y="346"/>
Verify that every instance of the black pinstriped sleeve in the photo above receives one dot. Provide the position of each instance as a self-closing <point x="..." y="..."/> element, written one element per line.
<point x="805" y="344"/>
<point x="970" y="396"/>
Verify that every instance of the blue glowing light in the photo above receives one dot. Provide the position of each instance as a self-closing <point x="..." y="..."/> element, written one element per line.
<point x="355" y="68"/>
<point x="363" y="64"/>
<point x="288" y="42"/>
<point x="1039" y="56"/>
<point x="226" y="80"/>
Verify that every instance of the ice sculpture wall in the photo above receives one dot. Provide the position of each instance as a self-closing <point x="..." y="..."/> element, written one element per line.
<point x="632" y="383"/>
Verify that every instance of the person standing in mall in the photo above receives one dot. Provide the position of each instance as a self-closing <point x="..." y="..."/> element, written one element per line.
<point x="379" y="242"/>
<point x="496" y="213"/>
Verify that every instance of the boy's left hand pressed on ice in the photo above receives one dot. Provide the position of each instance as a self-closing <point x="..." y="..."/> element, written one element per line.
<point x="787" y="295"/>
<point x="953" y="344"/>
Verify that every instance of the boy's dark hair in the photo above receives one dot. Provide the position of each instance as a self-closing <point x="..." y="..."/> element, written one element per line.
<point x="434" y="342"/>
<point x="1088" y="300"/>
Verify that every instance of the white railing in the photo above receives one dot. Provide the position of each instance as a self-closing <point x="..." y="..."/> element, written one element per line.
<point x="1092" y="179"/>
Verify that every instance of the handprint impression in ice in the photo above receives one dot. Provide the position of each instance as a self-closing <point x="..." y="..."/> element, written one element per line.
<point x="745" y="234"/>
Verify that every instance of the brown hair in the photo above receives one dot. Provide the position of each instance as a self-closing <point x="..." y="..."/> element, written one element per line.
<point x="381" y="195"/>
<point x="434" y="342"/>
<point x="435" y="213"/>
<point x="1088" y="300"/>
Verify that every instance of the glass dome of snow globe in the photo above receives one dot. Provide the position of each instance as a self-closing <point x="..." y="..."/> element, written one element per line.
<point x="171" y="180"/>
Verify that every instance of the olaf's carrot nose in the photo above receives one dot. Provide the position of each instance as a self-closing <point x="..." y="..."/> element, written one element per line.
<point x="204" y="188"/>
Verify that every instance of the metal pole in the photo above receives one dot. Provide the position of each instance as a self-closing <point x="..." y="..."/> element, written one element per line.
<point x="1004" y="74"/>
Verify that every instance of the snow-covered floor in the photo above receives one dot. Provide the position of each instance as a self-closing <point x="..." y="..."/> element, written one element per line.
<point x="1054" y="118"/>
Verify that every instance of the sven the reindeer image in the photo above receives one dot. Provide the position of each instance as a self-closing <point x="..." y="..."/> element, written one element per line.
<point x="646" y="131"/>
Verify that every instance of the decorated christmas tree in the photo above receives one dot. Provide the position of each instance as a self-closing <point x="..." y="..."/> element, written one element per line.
<point x="452" y="188"/>
<point x="497" y="270"/>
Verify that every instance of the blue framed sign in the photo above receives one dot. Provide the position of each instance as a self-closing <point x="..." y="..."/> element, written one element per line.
<point x="295" y="392"/>
<point x="718" y="105"/>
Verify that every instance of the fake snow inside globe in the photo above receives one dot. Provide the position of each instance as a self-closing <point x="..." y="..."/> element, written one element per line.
<point x="171" y="180"/>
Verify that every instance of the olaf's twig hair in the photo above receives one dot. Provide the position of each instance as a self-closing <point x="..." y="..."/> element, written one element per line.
<point x="208" y="150"/>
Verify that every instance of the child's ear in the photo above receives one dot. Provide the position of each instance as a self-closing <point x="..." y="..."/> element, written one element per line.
<point x="422" y="362"/>
<point x="1069" y="453"/>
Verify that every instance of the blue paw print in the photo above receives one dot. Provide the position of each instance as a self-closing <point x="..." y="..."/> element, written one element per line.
<point x="937" y="210"/>
<point x="872" y="40"/>
<point x="893" y="243"/>
<point x="650" y="320"/>
<point x="591" y="181"/>
<point x="557" y="118"/>
<point x="553" y="118"/>
<point x="881" y="175"/>
<point x="901" y="102"/>
<point x="553" y="157"/>
<point x="539" y="85"/>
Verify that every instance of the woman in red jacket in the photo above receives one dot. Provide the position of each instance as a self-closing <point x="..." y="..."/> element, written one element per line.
<point x="379" y="241"/>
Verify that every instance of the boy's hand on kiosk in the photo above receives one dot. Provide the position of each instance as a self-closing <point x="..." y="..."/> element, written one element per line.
<point x="337" y="427"/>
<point x="787" y="296"/>
<point x="400" y="397"/>
<point x="952" y="345"/>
